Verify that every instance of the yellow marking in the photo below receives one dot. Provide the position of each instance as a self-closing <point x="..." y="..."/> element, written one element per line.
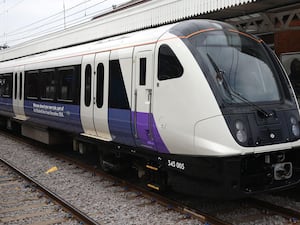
<point x="151" y="167"/>
<point x="51" y="170"/>
<point x="153" y="187"/>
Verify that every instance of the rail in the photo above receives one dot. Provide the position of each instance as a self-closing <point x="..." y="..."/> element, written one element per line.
<point x="74" y="211"/>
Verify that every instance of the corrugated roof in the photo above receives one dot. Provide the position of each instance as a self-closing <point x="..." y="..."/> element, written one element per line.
<point x="139" y="15"/>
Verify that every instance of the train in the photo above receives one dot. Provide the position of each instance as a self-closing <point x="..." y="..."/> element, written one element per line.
<point x="195" y="106"/>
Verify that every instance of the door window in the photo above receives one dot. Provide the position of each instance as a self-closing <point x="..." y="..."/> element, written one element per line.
<point x="88" y="85"/>
<point x="100" y="85"/>
<point x="21" y="85"/>
<point x="16" y="84"/>
<point x="143" y="63"/>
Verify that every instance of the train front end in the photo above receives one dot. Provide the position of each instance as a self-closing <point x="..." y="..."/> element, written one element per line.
<point x="253" y="145"/>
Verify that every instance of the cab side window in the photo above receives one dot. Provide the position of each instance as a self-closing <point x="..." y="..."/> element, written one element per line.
<point x="169" y="66"/>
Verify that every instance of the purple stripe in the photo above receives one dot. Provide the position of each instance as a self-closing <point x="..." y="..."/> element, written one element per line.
<point x="146" y="137"/>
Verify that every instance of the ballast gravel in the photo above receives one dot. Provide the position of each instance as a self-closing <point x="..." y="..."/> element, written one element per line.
<point x="21" y="203"/>
<point x="99" y="198"/>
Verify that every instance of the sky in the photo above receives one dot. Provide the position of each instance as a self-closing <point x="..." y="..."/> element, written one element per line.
<point x="22" y="20"/>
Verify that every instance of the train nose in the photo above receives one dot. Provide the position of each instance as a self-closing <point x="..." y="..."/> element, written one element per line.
<point x="283" y="171"/>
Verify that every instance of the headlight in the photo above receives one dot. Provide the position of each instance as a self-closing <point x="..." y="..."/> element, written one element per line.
<point x="241" y="133"/>
<point x="295" y="127"/>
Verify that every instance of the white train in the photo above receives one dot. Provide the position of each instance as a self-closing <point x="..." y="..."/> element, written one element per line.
<point x="197" y="106"/>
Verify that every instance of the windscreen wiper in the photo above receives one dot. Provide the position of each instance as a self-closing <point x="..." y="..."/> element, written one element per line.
<point x="220" y="76"/>
<point x="221" y="79"/>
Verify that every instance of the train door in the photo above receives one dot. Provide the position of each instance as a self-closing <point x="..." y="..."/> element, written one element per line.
<point x="101" y="95"/>
<point x="18" y="93"/>
<point x="143" y="96"/>
<point x="86" y="93"/>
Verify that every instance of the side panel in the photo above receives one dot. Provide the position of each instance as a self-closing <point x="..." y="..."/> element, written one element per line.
<point x="119" y="101"/>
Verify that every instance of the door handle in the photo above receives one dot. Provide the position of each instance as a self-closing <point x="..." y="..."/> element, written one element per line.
<point x="135" y="114"/>
<point x="150" y="114"/>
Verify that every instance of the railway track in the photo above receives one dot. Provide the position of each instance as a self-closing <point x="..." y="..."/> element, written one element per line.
<point x="255" y="211"/>
<point x="292" y="216"/>
<point x="152" y="197"/>
<point x="136" y="195"/>
<point x="142" y="199"/>
<point x="38" y="202"/>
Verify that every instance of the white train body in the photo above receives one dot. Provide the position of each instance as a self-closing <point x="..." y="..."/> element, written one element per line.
<point x="178" y="97"/>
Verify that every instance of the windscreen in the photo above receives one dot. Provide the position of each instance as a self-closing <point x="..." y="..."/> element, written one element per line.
<point x="239" y="65"/>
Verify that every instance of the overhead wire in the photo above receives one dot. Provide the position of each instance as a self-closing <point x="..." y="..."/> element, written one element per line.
<point x="10" y="8"/>
<point x="54" y="23"/>
<point x="47" y="18"/>
<point x="58" y="27"/>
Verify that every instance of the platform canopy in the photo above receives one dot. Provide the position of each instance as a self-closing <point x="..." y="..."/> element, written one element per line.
<point x="132" y="16"/>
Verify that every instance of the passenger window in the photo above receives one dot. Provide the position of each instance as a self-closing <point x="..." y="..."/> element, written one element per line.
<point x="66" y="76"/>
<point x="31" y="85"/>
<point x="169" y="66"/>
<point x="48" y="84"/>
<point x="100" y="85"/>
<point x="88" y="85"/>
<point x="143" y="63"/>
<point x="6" y="85"/>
